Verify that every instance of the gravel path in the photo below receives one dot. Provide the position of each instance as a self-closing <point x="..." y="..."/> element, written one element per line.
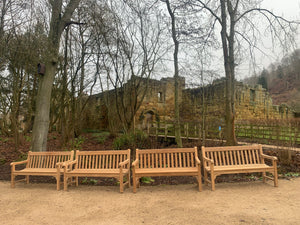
<point x="231" y="203"/>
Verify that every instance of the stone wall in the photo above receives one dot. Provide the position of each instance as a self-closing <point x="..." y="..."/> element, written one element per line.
<point x="158" y="103"/>
<point x="250" y="103"/>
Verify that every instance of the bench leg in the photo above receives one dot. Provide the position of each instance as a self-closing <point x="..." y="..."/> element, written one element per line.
<point x="27" y="179"/>
<point x="199" y="180"/>
<point x="12" y="181"/>
<point x="212" y="178"/>
<point x="65" y="182"/>
<point x="275" y="178"/>
<point x="76" y="181"/>
<point x="57" y="183"/>
<point x="264" y="176"/>
<point x="121" y="183"/>
<point x="134" y="182"/>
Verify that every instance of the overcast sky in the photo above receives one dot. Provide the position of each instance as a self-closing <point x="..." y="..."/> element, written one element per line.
<point x="289" y="9"/>
<point x="286" y="8"/>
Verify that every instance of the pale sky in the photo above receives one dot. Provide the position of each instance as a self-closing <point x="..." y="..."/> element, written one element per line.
<point x="289" y="9"/>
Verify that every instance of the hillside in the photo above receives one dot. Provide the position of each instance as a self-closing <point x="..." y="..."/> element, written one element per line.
<point x="286" y="91"/>
<point x="282" y="80"/>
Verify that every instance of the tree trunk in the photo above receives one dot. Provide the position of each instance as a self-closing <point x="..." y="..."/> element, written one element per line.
<point x="228" y="54"/>
<point x="41" y="120"/>
<point x="176" y="77"/>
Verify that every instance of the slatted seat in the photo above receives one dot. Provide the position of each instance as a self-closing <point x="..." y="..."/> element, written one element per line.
<point x="99" y="164"/>
<point x="91" y="172"/>
<point x="34" y="171"/>
<point x="41" y="164"/>
<point x="166" y="162"/>
<point x="237" y="159"/>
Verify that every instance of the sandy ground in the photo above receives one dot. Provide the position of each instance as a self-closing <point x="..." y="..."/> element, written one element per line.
<point x="231" y="203"/>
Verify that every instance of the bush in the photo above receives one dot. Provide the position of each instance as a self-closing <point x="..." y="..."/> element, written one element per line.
<point x="101" y="137"/>
<point x="132" y="140"/>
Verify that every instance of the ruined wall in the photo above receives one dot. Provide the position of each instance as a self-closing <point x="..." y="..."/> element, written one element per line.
<point x="250" y="103"/>
<point x="158" y="104"/>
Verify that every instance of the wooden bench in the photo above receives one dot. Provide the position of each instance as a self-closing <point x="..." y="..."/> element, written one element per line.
<point x="41" y="164"/>
<point x="113" y="163"/>
<point x="166" y="162"/>
<point x="237" y="159"/>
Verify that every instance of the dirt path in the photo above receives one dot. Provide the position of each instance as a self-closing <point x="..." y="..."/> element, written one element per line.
<point x="231" y="203"/>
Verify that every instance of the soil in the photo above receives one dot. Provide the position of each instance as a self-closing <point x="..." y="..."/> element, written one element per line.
<point x="231" y="203"/>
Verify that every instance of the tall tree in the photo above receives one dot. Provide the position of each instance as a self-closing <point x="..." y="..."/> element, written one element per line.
<point x="176" y="74"/>
<point x="60" y="18"/>
<point x="130" y="50"/>
<point x="235" y="18"/>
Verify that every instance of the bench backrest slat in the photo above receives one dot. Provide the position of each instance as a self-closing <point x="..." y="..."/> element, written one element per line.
<point x="166" y="158"/>
<point x="101" y="159"/>
<point x="47" y="160"/>
<point x="234" y="155"/>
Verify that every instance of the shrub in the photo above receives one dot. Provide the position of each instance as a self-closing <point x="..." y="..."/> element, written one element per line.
<point x="101" y="137"/>
<point x="132" y="140"/>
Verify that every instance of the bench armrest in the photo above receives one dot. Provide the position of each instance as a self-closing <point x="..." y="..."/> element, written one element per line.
<point x="67" y="165"/>
<point x="69" y="162"/>
<point x="198" y="162"/>
<point x="273" y="158"/>
<point x="208" y="160"/>
<point x="19" y="163"/>
<point x="122" y="164"/>
<point x="13" y="164"/>
<point x="134" y="164"/>
<point x="59" y="164"/>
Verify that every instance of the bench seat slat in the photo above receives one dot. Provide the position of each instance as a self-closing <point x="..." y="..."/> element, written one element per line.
<point x="89" y="172"/>
<point x="166" y="170"/>
<point x="239" y="168"/>
<point x="35" y="171"/>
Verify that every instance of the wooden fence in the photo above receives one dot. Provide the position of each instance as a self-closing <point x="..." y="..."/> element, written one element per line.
<point x="287" y="134"/>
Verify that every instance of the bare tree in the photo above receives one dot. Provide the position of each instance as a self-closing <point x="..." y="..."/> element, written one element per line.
<point x="236" y="21"/>
<point x="176" y="73"/>
<point x="21" y="46"/>
<point x="130" y="51"/>
<point x="60" y="18"/>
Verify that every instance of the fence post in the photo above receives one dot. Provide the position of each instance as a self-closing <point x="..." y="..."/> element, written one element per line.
<point x="187" y="131"/>
<point x="156" y="131"/>
<point x="166" y="131"/>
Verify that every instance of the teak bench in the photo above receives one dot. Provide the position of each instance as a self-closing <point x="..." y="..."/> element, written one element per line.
<point x="237" y="159"/>
<point x="166" y="162"/>
<point x="113" y="163"/>
<point x="41" y="164"/>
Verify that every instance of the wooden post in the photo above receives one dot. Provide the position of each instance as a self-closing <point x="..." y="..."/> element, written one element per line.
<point x="166" y="131"/>
<point x="156" y="132"/>
<point x="199" y="130"/>
<point x="187" y="131"/>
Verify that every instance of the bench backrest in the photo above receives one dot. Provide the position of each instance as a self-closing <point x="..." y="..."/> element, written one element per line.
<point x="47" y="160"/>
<point x="166" y="158"/>
<point x="234" y="155"/>
<point x="101" y="159"/>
